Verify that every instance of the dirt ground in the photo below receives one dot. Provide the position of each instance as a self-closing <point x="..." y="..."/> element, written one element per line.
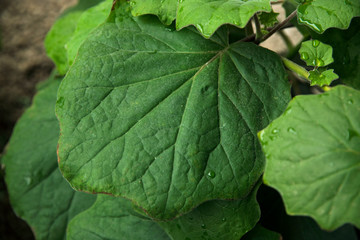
<point x="23" y="63"/>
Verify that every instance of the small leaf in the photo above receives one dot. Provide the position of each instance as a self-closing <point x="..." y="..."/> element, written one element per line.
<point x="87" y="22"/>
<point x="218" y="220"/>
<point x="322" y="78"/>
<point x="323" y="14"/>
<point x="316" y="53"/>
<point x="206" y="16"/>
<point x="113" y="218"/>
<point x="268" y="19"/>
<point x="312" y="154"/>
<point x="167" y="119"/>
<point x="38" y="192"/>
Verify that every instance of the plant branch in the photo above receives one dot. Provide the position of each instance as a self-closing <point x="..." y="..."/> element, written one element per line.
<point x="279" y="26"/>
<point x="276" y="2"/>
<point x="258" y="28"/>
<point x="249" y="29"/>
<point x="302" y="72"/>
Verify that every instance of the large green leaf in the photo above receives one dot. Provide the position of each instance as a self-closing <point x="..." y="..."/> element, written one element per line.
<point x="323" y="14"/>
<point x="206" y="15"/>
<point x="38" y="192"/>
<point x="313" y="157"/>
<point x="113" y="218"/>
<point x="217" y="220"/>
<point x="88" y="21"/>
<point x="166" y="119"/>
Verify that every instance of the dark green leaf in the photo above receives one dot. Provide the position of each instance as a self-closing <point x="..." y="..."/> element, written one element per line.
<point x="323" y="14"/>
<point x="313" y="157"/>
<point x="38" y="192"/>
<point x="217" y="220"/>
<point x="113" y="218"/>
<point x="166" y="119"/>
<point x="260" y="233"/>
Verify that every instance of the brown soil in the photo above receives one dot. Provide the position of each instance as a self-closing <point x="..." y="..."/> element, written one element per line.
<point x="23" y="63"/>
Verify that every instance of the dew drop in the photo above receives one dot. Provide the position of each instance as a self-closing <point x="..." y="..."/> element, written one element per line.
<point x="314" y="62"/>
<point x="352" y="134"/>
<point x="224" y="219"/>
<point x="28" y="180"/>
<point x="315" y="43"/>
<point x="203" y="226"/>
<point x="211" y="174"/>
<point x="319" y="62"/>
<point x="350" y="101"/>
<point x="168" y="29"/>
<point x="291" y="130"/>
<point x="200" y="27"/>
<point x="275" y="131"/>
<point x="304" y="56"/>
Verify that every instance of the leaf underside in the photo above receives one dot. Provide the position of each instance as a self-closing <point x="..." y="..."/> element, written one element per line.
<point x="206" y="15"/>
<point x="38" y="192"/>
<point x="323" y="131"/>
<point x="166" y="119"/>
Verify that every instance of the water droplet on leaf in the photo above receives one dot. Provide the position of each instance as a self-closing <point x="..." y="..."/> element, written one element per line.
<point x="319" y="62"/>
<point x="304" y="56"/>
<point x="224" y="219"/>
<point x="315" y="43"/>
<point x="292" y="130"/>
<point x="203" y="226"/>
<point x="350" y="101"/>
<point x="211" y="174"/>
<point x="275" y="131"/>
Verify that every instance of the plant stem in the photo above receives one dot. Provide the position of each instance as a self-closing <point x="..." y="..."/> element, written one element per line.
<point x="279" y="26"/>
<point x="296" y="68"/>
<point x="249" y="29"/>
<point x="287" y="40"/>
<point x="258" y="28"/>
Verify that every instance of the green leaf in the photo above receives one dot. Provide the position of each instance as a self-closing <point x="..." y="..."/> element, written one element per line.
<point x="268" y="19"/>
<point x="322" y="78"/>
<point x="113" y="218"/>
<point x="59" y="34"/>
<point x="206" y="15"/>
<point x="260" y="233"/>
<point x="320" y="15"/>
<point x="346" y="52"/>
<point x="312" y="154"/>
<point x="316" y="53"/>
<point x="38" y="192"/>
<point x="227" y="220"/>
<point x="88" y="21"/>
<point x="274" y="217"/>
<point x="166" y="119"/>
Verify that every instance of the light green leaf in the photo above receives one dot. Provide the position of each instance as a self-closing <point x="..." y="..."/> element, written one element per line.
<point x="260" y="233"/>
<point x="206" y="15"/>
<point x="38" y="192"/>
<point x="58" y="36"/>
<point x="346" y="52"/>
<point x="88" y="21"/>
<point x="316" y="53"/>
<point x="113" y="218"/>
<point x="322" y="78"/>
<point x="217" y="220"/>
<point x="313" y="157"/>
<point x="323" y="14"/>
<point x="166" y="119"/>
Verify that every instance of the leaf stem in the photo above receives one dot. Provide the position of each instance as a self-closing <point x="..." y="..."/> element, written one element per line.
<point x="249" y="29"/>
<point x="279" y="26"/>
<point x="302" y="72"/>
<point x="258" y="28"/>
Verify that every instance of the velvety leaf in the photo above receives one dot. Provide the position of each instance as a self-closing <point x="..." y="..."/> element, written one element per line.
<point x="322" y="78"/>
<point x="113" y="218"/>
<point x="166" y="119"/>
<point x="260" y="233"/>
<point x="59" y="34"/>
<point x="323" y="14"/>
<point x="38" y="192"/>
<point x="316" y="53"/>
<point x="312" y="154"/>
<point x="274" y="217"/>
<point x="88" y="21"/>
<point x="206" y="15"/>
<point x="227" y="220"/>
<point x="346" y="52"/>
